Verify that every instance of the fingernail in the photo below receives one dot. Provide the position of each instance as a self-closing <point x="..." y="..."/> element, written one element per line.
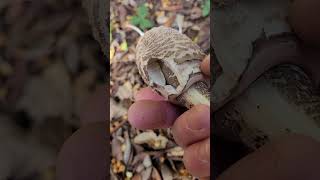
<point x="204" y="152"/>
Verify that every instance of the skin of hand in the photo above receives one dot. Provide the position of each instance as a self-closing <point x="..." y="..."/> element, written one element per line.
<point x="83" y="155"/>
<point x="191" y="129"/>
<point x="291" y="157"/>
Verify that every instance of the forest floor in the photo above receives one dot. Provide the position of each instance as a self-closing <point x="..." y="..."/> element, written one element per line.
<point x="151" y="154"/>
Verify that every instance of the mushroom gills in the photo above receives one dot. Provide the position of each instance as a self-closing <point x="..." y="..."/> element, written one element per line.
<point x="155" y="73"/>
<point x="197" y="93"/>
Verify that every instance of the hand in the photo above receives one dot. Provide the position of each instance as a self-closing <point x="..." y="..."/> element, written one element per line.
<point x="292" y="157"/>
<point x="191" y="130"/>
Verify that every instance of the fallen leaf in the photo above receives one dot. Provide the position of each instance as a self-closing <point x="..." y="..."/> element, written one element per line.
<point x="150" y="138"/>
<point x="128" y="149"/>
<point x="174" y="152"/>
<point x="146" y="174"/>
<point x="137" y="177"/>
<point x="166" y="172"/>
<point x="124" y="46"/>
<point x="116" y="110"/>
<point x="125" y="91"/>
<point x="147" y="161"/>
<point x="112" y="53"/>
<point x="196" y="13"/>
<point x="155" y="174"/>
<point x="116" y="149"/>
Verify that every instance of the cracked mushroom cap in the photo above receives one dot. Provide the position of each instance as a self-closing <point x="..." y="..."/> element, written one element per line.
<point x="168" y="61"/>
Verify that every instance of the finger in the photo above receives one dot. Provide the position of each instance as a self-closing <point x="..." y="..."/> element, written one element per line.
<point x="192" y="126"/>
<point x="293" y="157"/>
<point x="148" y="114"/>
<point x="83" y="155"/>
<point x="205" y="65"/>
<point x="197" y="158"/>
<point x="148" y="94"/>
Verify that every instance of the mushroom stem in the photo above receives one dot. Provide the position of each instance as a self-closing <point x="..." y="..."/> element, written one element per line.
<point x="198" y="93"/>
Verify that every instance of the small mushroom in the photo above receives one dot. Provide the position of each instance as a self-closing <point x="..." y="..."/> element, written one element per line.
<point x="169" y="62"/>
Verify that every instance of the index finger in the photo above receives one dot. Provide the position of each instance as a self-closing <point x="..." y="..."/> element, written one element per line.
<point x="151" y="111"/>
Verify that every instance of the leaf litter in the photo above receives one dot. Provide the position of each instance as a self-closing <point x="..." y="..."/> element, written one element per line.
<point x="150" y="154"/>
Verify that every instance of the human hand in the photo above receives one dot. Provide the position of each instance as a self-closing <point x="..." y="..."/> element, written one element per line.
<point x="279" y="160"/>
<point x="191" y="130"/>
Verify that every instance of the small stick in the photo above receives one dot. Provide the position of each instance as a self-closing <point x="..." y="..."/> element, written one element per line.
<point x="135" y="28"/>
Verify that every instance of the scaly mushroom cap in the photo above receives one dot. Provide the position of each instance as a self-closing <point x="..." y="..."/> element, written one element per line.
<point x="168" y="61"/>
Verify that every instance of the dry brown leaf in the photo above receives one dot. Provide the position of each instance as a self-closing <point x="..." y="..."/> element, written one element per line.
<point x="174" y="152"/>
<point x="146" y="174"/>
<point x="147" y="161"/>
<point x="161" y="17"/>
<point x="139" y="157"/>
<point x="166" y="172"/>
<point x="140" y="168"/>
<point x="137" y="177"/>
<point x="116" y="110"/>
<point x="150" y="138"/>
<point x="128" y="149"/>
<point x="116" y="149"/>
<point x="155" y="174"/>
<point x="125" y="91"/>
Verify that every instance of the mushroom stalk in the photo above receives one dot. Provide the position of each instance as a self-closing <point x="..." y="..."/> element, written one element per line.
<point x="196" y="94"/>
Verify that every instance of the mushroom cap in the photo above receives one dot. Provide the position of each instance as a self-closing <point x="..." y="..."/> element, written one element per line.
<point x="168" y="61"/>
<point x="238" y="26"/>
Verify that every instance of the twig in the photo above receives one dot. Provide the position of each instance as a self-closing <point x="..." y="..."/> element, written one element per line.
<point x="179" y="20"/>
<point x="114" y="129"/>
<point x="135" y="29"/>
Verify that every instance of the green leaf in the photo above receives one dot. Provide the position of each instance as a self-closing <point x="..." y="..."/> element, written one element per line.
<point x="145" y="24"/>
<point x="110" y="32"/>
<point x="143" y="11"/>
<point x="124" y="46"/>
<point x="135" y="20"/>
<point x="206" y="8"/>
